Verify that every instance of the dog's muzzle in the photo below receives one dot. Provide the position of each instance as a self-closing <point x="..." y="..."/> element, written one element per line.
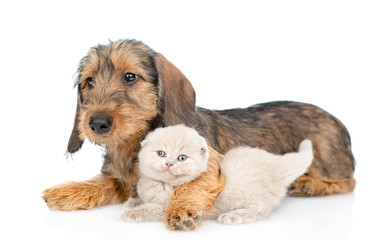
<point x="100" y="124"/>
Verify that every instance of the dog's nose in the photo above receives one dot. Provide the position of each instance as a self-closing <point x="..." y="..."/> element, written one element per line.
<point x="100" y="124"/>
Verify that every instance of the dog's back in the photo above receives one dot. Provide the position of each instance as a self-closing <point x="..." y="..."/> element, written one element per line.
<point x="279" y="127"/>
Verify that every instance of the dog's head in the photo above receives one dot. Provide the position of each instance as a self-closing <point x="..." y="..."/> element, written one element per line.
<point x="125" y="88"/>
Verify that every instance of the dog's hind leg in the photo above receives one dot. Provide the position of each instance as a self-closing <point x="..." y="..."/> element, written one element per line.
<point x="309" y="186"/>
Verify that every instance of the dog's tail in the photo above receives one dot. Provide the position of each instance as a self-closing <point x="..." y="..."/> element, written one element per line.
<point x="293" y="165"/>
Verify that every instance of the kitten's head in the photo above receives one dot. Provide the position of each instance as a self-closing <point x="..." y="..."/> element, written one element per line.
<point x="175" y="154"/>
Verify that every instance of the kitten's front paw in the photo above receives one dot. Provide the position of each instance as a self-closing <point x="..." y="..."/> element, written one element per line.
<point x="230" y="218"/>
<point x="241" y="216"/>
<point x="182" y="219"/>
<point x="131" y="215"/>
<point x="132" y="203"/>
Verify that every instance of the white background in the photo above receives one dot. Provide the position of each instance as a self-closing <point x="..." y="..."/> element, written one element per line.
<point x="235" y="54"/>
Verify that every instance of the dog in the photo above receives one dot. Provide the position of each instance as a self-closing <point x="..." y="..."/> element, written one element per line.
<point x="125" y="89"/>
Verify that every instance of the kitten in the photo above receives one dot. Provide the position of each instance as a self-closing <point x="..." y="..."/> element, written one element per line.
<point x="176" y="155"/>
<point x="169" y="157"/>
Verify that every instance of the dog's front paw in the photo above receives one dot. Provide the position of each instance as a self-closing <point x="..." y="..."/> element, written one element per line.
<point x="182" y="219"/>
<point x="72" y="195"/>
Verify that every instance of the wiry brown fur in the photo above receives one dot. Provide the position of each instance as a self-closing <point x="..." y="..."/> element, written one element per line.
<point x="163" y="96"/>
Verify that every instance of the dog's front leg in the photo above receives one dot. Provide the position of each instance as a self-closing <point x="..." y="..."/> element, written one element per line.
<point x="191" y="202"/>
<point x="98" y="191"/>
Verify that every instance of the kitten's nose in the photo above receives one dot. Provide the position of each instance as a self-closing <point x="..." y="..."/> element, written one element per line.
<point x="169" y="164"/>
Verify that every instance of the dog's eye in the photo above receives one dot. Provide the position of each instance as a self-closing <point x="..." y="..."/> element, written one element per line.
<point x="160" y="154"/>
<point x="130" y="77"/>
<point x="90" y="82"/>
<point x="182" y="158"/>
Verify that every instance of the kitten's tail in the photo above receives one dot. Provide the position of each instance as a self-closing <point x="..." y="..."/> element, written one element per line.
<point x="293" y="165"/>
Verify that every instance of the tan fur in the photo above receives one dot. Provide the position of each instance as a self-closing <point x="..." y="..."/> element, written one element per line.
<point x="306" y="185"/>
<point x="95" y="192"/>
<point x="193" y="201"/>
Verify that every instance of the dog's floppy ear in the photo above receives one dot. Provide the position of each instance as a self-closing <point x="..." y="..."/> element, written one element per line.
<point x="75" y="143"/>
<point x="176" y="94"/>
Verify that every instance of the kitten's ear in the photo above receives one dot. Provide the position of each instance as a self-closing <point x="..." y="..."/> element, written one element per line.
<point x="147" y="138"/>
<point x="204" y="149"/>
<point x="143" y="143"/>
<point x="204" y="153"/>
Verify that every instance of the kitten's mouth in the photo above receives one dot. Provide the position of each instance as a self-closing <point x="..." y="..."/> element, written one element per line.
<point x="171" y="173"/>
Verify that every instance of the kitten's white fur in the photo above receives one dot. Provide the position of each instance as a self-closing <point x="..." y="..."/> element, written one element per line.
<point x="253" y="186"/>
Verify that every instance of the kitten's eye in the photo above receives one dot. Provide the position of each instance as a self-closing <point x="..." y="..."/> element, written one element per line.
<point x="90" y="82"/>
<point x="160" y="154"/>
<point x="130" y="77"/>
<point x="182" y="158"/>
